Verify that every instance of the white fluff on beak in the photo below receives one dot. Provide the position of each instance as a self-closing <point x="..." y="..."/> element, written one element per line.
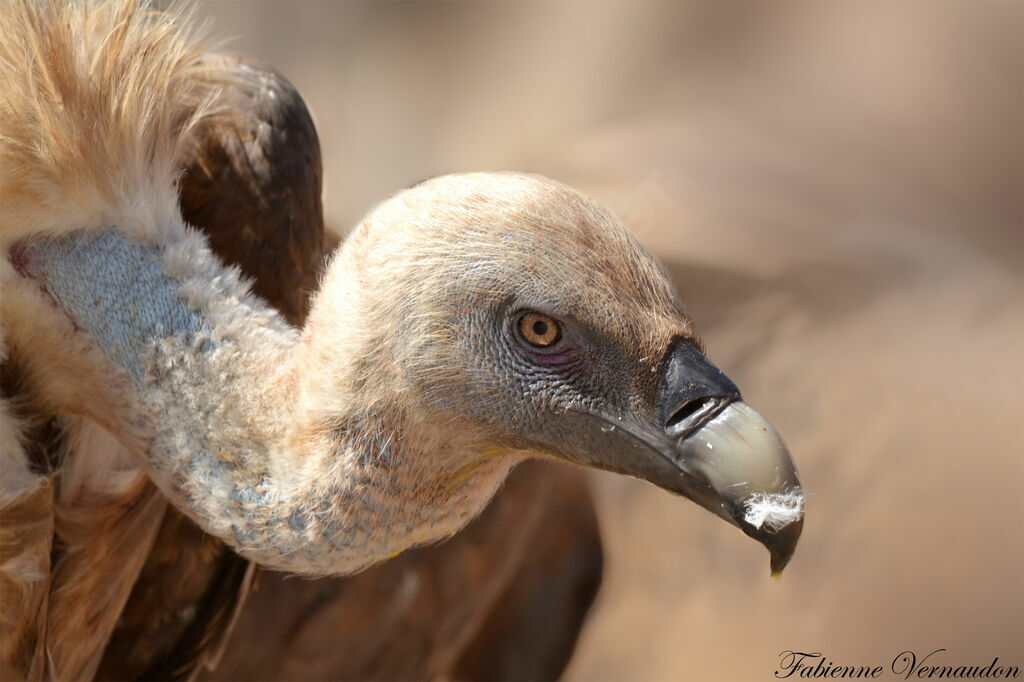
<point x="774" y="510"/>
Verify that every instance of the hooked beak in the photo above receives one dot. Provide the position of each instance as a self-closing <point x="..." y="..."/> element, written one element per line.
<point x="708" y="445"/>
<point x="734" y="462"/>
<point x="736" y="466"/>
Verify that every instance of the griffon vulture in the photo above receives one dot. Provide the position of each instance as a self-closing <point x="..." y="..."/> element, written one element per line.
<point x="425" y="616"/>
<point x="467" y="324"/>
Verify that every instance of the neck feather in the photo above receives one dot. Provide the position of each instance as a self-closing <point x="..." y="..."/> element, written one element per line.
<point x="227" y="414"/>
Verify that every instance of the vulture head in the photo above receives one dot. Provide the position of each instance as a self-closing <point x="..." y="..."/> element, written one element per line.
<point x="468" y="323"/>
<point x="520" y="318"/>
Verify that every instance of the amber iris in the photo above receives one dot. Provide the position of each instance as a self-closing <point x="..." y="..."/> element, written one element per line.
<point x="539" y="330"/>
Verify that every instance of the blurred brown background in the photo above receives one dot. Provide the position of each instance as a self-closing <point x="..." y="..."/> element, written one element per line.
<point x="837" y="190"/>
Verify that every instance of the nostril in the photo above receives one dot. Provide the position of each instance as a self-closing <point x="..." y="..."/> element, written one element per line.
<point x="693" y="415"/>
<point x="688" y="409"/>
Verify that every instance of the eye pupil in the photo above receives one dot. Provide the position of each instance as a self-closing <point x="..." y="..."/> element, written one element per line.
<point x="539" y="330"/>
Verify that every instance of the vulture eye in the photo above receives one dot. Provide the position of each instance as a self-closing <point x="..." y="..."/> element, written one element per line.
<point x="539" y="330"/>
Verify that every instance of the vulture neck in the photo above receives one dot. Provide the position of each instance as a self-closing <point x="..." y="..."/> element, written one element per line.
<point x="250" y="428"/>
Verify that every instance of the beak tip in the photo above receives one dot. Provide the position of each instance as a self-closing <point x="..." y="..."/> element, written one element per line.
<point x="775" y="519"/>
<point x="781" y="544"/>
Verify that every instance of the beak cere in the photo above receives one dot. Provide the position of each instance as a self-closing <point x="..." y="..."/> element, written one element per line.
<point x="729" y="458"/>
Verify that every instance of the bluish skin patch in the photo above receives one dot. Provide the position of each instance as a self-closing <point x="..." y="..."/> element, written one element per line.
<point x="262" y="494"/>
<point x="115" y="290"/>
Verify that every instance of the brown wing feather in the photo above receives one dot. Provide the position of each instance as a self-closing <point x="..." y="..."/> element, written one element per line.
<point x="25" y="541"/>
<point x="253" y="182"/>
<point x="531" y="632"/>
<point x="188" y="584"/>
<point x="26" y="534"/>
<point x="105" y="533"/>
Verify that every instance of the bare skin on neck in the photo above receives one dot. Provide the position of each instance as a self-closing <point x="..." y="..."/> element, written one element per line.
<point x="293" y="491"/>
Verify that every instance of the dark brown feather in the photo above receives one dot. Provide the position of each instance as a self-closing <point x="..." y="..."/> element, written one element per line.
<point x="531" y="632"/>
<point x="253" y="182"/>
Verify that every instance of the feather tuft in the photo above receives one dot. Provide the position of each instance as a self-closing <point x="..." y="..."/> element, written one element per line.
<point x="774" y="510"/>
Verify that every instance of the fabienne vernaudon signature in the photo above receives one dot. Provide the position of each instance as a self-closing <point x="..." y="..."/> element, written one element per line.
<point x="906" y="664"/>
